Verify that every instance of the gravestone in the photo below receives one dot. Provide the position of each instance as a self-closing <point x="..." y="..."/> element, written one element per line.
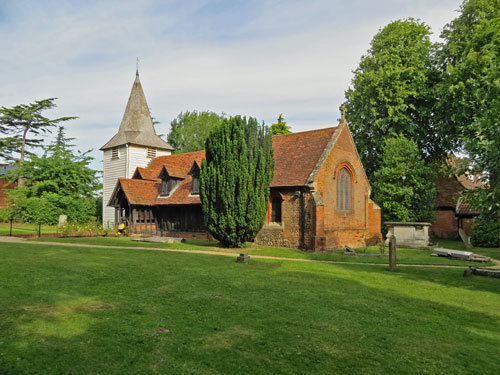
<point x="243" y="258"/>
<point x="392" y="254"/>
<point x="63" y="219"/>
<point x="465" y="238"/>
<point x="410" y="234"/>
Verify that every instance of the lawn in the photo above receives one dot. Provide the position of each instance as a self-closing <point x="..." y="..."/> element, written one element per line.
<point x="24" y="228"/>
<point x="405" y="256"/>
<point x="70" y="310"/>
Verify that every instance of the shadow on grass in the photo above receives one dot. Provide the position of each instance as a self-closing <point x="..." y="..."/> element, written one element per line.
<point x="184" y="314"/>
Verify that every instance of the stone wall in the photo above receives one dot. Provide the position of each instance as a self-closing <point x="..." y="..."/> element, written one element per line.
<point x="296" y="229"/>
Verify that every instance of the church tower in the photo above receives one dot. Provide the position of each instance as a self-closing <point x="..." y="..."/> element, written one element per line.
<point x="135" y="145"/>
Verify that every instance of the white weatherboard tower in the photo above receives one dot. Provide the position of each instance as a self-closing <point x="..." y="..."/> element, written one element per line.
<point x="135" y="145"/>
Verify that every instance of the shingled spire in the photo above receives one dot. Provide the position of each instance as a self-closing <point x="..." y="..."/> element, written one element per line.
<point x="137" y="126"/>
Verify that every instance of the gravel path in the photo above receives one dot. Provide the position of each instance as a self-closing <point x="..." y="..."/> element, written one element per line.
<point x="208" y="252"/>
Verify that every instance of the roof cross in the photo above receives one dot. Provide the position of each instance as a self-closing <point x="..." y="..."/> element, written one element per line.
<point x="343" y="110"/>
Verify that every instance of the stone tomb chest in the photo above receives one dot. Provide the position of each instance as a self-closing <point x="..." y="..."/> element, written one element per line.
<point x="414" y="235"/>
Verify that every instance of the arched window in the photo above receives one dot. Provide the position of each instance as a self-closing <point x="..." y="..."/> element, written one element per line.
<point x="276" y="210"/>
<point x="344" y="190"/>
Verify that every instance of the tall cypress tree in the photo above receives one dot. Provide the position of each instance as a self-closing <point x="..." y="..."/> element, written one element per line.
<point x="235" y="179"/>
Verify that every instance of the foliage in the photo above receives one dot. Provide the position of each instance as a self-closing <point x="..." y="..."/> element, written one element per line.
<point x="60" y="182"/>
<point x="23" y="120"/>
<point x="47" y="208"/>
<point x="189" y="131"/>
<point x="470" y="92"/>
<point x="404" y="186"/>
<point x="486" y="231"/>
<point x="280" y="127"/>
<point x="393" y="93"/>
<point x="59" y="170"/>
<point x="235" y="179"/>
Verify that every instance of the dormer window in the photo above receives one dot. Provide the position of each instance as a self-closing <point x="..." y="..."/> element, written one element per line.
<point x="195" y="182"/>
<point x="168" y="183"/>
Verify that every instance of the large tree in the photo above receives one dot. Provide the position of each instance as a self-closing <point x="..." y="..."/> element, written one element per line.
<point x="392" y="93"/>
<point x="470" y="93"/>
<point x="22" y="121"/>
<point x="235" y="179"/>
<point x="404" y="185"/>
<point x="61" y="178"/>
<point x="189" y="131"/>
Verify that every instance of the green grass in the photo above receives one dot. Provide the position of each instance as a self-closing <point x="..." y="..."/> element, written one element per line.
<point x="22" y="228"/>
<point x="70" y="310"/>
<point x="127" y="242"/>
<point x="459" y="245"/>
<point x="405" y="256"/>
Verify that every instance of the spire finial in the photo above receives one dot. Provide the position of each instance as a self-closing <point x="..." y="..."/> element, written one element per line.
<point x="343" y="110"/>
<point x="137" y="67"/>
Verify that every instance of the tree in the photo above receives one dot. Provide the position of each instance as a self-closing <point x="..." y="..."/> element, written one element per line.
<point x="189" y="131"/>
<point x="280" y="127"/>
<point x="393" y="93"/>
<point x="470" y="94"/>
<point x="59" y="178"/>
<point x="24" y="119"/>
<point x="235" y="179"/>
<point x="404" y="186"/>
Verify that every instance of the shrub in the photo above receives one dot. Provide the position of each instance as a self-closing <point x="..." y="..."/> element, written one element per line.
<point x="486" y="231"/>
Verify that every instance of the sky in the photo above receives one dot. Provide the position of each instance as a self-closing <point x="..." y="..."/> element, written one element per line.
<point x="256" y="58"/>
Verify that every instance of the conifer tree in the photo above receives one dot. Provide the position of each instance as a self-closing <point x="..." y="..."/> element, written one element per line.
<point x="280" y="127"/>
<point x="235" y="179"/>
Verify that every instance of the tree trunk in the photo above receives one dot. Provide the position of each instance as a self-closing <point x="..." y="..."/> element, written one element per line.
<point x="20" y="180"/>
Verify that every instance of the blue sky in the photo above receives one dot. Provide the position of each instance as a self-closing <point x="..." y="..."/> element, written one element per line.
<point x="256" y="58"/>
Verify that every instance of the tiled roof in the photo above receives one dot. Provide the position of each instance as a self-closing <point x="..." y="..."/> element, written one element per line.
<point x="178" y="165"/>
<point x="139" y="192"/>
<point x="147" y="174"/>
<point x="464" y="208"/>
<point x="295" y="155"/>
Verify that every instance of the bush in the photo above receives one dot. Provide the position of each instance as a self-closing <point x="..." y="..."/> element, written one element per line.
<point x="47" y="208"/>
<point x="486" y="231"/>
<point x="43" y="210"/>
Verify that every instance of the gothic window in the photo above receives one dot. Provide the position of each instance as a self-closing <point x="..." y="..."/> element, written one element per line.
<point x="344" y="190"/>
<point x="115" y="154"/>
<point x="276" y="210"/>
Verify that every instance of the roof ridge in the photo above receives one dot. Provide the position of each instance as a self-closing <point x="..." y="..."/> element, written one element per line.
<point x="306" y="131"/>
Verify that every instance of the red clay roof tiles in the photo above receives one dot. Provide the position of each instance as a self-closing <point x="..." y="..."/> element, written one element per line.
<point x="295" y="157"/>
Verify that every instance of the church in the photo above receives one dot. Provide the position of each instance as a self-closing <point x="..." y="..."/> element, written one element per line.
<point x="319" y="197"/>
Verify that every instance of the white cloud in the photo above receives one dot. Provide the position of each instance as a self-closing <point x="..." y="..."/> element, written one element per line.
<point x="289" y="57"/>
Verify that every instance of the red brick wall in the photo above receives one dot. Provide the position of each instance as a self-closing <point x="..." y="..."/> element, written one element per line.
<point x="297" y="227"/>
<point x="445" y="225"/>
<point x="363" y="222"/>
<point x="313" y="223"/>
<point x="5" y="185"/>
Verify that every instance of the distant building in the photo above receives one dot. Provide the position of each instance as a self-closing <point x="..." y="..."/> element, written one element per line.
<point x="319" y="199"/>
<point x="5" y="185"/>
<point x="452" y="211"/>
